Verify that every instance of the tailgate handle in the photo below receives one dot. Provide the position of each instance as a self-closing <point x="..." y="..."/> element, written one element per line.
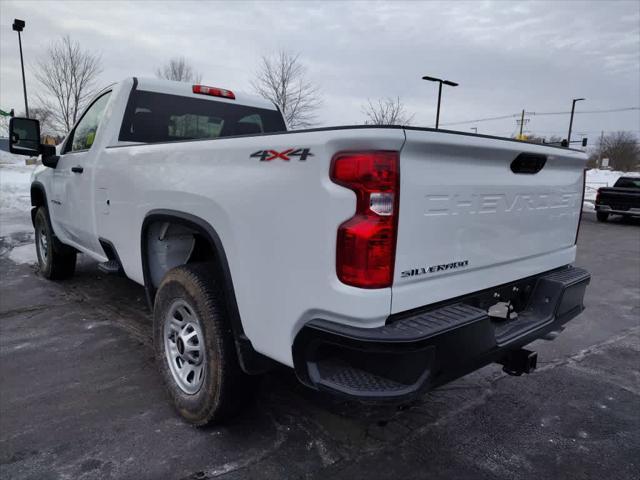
<point x="528" y="163"/>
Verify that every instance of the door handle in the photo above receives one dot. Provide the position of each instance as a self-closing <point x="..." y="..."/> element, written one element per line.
<point x="77" y="169"/>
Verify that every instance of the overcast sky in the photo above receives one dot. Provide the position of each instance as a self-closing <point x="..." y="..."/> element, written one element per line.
<point x="506" y="55"/>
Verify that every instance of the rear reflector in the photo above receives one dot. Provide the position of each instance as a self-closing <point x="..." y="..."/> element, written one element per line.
<point x="366" y="243"/>
<point x="213" y="91"/>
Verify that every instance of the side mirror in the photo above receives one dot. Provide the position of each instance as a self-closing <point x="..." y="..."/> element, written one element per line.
<point x="49" y="157"/>
<point x="584" y="142"/>
<point x="24" y="136"/>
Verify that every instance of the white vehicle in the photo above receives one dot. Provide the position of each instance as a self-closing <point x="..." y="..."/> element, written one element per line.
<point x="378" y="262"/>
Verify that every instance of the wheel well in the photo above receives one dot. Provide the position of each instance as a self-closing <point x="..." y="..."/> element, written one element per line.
<point x="170" y="238"/>
<point x="170" y="244"/>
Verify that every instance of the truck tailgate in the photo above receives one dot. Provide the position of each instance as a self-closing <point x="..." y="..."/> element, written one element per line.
<point x="469" y="222"/>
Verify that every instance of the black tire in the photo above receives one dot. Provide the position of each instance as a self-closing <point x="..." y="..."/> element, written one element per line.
<point x="602" y="216"/>
<point x="225" y="387"/>
<point x="56" y="260"/>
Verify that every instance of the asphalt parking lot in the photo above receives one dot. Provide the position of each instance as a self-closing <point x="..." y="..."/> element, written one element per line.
<point x="80" y="396"/>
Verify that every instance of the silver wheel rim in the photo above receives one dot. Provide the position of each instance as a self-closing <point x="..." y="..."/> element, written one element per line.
<point x="42" y="244"/>
<point x="184" y="347"/>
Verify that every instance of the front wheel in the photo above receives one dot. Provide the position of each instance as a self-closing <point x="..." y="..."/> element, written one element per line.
<point x="602" y="216"/>
<point x="194" y="346"/>
<point x="56" y="260"/>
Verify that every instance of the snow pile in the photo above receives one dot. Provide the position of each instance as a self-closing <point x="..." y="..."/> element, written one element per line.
<point x="15" y="181"/>
<point x="24" y="254"/>
<point x="15" y="201"/>
<point x="7" y="158"/>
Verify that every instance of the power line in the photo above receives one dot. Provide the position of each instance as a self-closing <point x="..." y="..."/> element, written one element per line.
<point x="588" y="111"/>
<point x="562" y="132"/>
<point x="502" y="117"/>
<point x="587" y="131"/>
<point x="516" y="115"/>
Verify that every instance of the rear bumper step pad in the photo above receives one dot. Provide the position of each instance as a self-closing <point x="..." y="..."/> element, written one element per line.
<point x="426" y="349"/>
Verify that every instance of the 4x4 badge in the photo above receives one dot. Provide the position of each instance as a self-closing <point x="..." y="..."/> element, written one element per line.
<point x="268" y="155"/>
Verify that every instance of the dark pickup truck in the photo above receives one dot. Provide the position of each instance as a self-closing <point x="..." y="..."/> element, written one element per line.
<point x="621" y="199"/>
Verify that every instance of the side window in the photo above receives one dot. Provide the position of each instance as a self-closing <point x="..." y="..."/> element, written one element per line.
<point x="85" y="132"/>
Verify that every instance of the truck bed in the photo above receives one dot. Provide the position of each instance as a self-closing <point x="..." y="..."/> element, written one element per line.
<point x="618" y="200"/>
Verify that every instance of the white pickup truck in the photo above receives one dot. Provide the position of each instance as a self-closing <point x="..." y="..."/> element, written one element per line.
<point x="378" y="262"/>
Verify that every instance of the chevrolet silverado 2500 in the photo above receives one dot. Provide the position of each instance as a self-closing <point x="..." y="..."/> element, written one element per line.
<point x="377" y="262"/>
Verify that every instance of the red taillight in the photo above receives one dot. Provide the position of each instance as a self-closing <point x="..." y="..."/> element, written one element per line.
<point x="366" y="244"/>
<point x="214" y="92"/>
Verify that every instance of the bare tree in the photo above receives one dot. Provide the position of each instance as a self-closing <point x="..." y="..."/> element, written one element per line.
<point x="281" y="78"/>
<point x="179" y="70"/>
<point x="621" y="148"/>
<point x="47" y="122"/>
<point x="68" y="74"/>
<point x="387" y="111"/>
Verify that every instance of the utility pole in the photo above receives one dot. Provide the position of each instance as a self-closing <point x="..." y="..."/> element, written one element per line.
<point x="18" y="26"/>
<point x="573" y="108"/>
<point x="600" y="149"/>
<point x="522" y="122"/>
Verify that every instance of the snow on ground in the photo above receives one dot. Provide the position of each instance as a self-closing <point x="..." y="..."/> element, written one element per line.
<point x="15" y="202"/>
<point x="11" y="158"/>
<point x="24" y="254"/>
<point x="14" y="187"/>
<point x="15" y="177"/>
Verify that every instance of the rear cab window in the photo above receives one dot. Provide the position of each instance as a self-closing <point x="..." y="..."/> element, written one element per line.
<point x="153" y="117"/>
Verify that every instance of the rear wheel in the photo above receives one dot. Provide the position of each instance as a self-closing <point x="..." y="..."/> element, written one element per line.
<point x="602" y="216"/>
<point x="194" y="346"/>
<point x="56" y="260"/>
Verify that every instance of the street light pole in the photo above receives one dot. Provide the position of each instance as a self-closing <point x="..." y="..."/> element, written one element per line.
<point x="573" y="108"/>
<point x="440" y="82"/>
<point x="18" y="26"/>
